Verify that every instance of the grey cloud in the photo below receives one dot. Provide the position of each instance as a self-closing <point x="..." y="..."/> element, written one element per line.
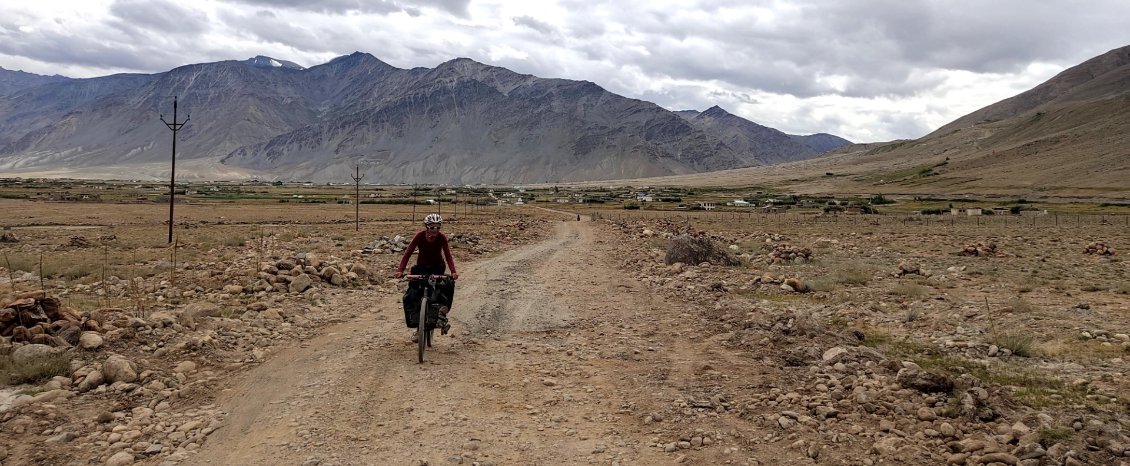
<point x="51" y="47"/>
<point x="138" y="17"/>
<point x="412" y="7"/>
<point x="535" y="24"/>
<point x="875" y="46"/>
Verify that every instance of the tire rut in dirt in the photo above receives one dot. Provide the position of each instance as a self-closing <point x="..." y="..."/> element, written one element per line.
<point x="515" y="294"/>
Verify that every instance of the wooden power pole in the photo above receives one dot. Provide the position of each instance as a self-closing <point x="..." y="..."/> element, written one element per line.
<point x="175" y="126"/>
<point x="357" y="197"/>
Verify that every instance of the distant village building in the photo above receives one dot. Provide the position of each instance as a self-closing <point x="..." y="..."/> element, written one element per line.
<point x="706" y="205"/>
<point x="740" y="203"/>
<point x="1001" y="211"/>
<point x="970" y="211"/>
<point x="644" y="197"/>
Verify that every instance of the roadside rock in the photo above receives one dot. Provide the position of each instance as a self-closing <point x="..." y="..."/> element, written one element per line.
<point x="914" y="377"/>
<point x="119" y="369"/>
<point x="301" y="283"/>
<point x="28" y="353"/>
<point x="90" y="341"/>
<point x="91" y="381"/>
<point x="120" y="458"/>
<point x="196" y="311"/>
<point x="834" y="354"/>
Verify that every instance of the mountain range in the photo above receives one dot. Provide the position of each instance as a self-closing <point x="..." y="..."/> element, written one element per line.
<point x="460" y="122"/>
<point x="1068" y="137"/>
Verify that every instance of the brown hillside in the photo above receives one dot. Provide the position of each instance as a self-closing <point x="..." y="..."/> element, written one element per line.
<point x="1069" y="136"/>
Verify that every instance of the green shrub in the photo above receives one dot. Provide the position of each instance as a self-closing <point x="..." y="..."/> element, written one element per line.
<point x="878" y="199"/>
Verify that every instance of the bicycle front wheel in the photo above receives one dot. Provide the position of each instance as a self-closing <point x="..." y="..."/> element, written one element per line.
<point x="421" y="329"/>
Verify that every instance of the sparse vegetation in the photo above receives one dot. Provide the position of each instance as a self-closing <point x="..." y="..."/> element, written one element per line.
<point x="909" y="290"/>
<point x="1021" y="305"/>
<point x="14" y="372"/>
<point x="1018" y="344"/>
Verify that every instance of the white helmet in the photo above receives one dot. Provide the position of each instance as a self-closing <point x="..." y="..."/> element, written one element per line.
<point x="433" y="219"/>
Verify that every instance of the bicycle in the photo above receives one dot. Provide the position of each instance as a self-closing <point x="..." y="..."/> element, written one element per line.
<point x="429" y="311"/>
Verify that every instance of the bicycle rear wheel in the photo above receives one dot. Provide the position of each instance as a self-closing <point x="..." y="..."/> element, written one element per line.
<point x="422" y="335"/>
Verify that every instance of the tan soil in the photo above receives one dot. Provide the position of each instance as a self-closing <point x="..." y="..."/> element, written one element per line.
<point x="555" y="358"/>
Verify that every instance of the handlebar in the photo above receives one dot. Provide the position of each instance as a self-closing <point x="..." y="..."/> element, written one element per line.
<point x="425" y="277"/>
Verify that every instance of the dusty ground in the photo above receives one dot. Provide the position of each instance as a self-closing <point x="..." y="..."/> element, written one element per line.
<point x="556" y="358"/>
<point x="574" y="343"/>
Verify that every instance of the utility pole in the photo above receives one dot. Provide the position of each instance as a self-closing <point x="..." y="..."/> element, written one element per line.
<point x="175" y="126"/>
<point x="357" y="198"/>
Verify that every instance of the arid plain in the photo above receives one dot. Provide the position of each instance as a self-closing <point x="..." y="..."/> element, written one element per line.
<point x="835" y="339"/>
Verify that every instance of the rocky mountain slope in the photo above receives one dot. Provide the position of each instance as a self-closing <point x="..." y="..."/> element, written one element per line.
<point x="461" y="122"/>
<point x="1069" y="136"/>
<point x="12" y="81"/>
<point x="766" y="144"/>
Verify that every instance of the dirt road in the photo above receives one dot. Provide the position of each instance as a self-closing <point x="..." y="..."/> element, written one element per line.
<point x="554" y="359"/>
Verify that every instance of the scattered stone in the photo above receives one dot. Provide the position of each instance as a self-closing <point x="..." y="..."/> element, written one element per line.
<point x="999" y="457"/>
<point x="834" y="354"/>
<point x="91" y="381"/>
<point x="185" y="367"/>
<point x="301" y="283"/>
<point x="912" y="376"/>
<point x="119" y="369"/>
<point x="785" y="254"/>
<point x="90" y="341"/>
<point x="981" y="250"/>
<point x="121" y="458"/>
<point x="1099" y="248"/>
<point x="908" y="269"/>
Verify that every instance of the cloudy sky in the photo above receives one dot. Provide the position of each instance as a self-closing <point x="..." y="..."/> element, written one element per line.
<point x="868" y="70"/>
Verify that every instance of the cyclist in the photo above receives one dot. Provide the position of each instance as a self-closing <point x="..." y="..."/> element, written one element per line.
<point x="434" y="249"/>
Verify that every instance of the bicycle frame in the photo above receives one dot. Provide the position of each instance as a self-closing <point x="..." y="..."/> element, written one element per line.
<point x="423" y="329"/>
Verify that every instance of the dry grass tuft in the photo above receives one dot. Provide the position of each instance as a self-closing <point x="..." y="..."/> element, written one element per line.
<point x="1021" y="305"/>
<point x="1020" y="345"/>
<point x="13" y="372"/>
<point x="909" y="290"/>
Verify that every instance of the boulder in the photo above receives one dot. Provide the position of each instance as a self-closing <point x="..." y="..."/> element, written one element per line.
<point x="90" y="341"/>
<point x="186" y="367"/>
<point x="329" y="272"/>
<point x="121" y="458"/>
<point x="924" y="381"/>
<point x="834" y="354"/>
<point x="91" y="381"/>
<point x="359" y="269"/>
<point x="301" y="283"/>
<point x="196" y="311"/>
<point x="29" y="353"/>
<point x="119" y="369"/>
<point x="796" y="285"/>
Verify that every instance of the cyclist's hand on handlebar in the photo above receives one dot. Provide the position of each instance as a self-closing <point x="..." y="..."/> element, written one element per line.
<point x="454" y="275"/>
<point x="399" y="275"/>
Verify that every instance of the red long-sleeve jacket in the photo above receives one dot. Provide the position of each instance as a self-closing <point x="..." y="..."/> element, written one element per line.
<point x="429" y="251"/>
